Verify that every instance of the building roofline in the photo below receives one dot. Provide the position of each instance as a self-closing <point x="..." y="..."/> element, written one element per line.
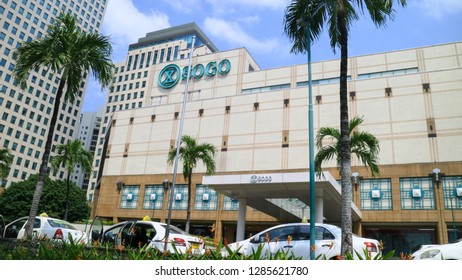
<point x="172" y="32"/>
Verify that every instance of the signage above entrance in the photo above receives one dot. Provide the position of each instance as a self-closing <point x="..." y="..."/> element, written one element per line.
<point x="170" y="75"/>
<point x="260" y="179"/>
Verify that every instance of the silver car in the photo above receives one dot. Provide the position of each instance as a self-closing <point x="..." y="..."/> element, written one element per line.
<point x="294" y="240"/>
<point x="44" y="228"/>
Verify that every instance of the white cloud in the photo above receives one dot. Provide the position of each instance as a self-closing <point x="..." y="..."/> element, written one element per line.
<point x="249" y="20"/>
<point x="187" y="7"/>
<point x="438" y="8"/>
<point x="126" y="24"/>
<point x="220" y="6"/>
<point x="233" y="33"/>
<point x="271" y="4"/>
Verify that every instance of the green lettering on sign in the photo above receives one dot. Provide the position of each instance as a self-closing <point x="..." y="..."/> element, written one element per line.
<point x="170" y="75"/>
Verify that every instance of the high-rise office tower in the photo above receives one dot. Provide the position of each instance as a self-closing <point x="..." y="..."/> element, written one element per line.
<point x="90" y="124"/>
<point x="25" y="114"/>
<point x="133" y="86"/>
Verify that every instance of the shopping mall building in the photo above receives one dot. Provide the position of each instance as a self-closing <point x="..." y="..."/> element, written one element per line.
<point x="258" y="121"/>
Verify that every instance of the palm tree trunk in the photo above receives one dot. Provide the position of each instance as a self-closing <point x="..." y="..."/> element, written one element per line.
<point x="188" y="211"/>
<point x="67" y="195"/>
<point x="44" y="165"/>
<point x="345" y="165"/>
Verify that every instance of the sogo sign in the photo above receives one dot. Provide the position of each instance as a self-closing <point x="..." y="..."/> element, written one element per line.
<point x="170" y="74"/>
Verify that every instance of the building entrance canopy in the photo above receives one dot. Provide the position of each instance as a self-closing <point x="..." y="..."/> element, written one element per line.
<point x="284" y="196"/>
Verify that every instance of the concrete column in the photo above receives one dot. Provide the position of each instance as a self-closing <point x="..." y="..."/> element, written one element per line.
<point x="319" y="206"/>
<point x="240" y="231"/>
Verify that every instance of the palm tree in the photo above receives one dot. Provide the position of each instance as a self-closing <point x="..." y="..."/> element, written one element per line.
<point x="6" y="158"/>
<point x="338" y="15"/>
<point x="66" y="50"/>
<point x="69" y="155"/>
<point x="191" y="153"/>
<point x="363" y="145"/>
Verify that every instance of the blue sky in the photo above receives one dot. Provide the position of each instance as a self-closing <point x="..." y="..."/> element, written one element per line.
<point x="258" y="26"/>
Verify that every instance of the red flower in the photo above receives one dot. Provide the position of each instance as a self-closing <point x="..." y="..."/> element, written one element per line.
<point x="289" y="238"/>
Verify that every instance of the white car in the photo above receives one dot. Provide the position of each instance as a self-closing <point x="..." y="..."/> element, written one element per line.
<point x="451" y="251"/>
<point x="294" y="240"/>
<point x="136" y="234"/>
<point x="46" y="228"/>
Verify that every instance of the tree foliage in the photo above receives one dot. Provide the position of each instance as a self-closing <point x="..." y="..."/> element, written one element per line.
<point x="72" y="53"/>
<point x="190" y="154"/>
<point x="363" y="145"/>
<point x="338" y="17"/>
<point x="6" y="158"/>
<point x="70" y="155"/>
<point x="16" y="200"/>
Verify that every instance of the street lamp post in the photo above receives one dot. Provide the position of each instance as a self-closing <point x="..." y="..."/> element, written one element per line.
<point x="165" y="186"/>
<point x="437" y="178"/>
<point x="178" y="144"/>
<point x="355" y="179"/>
<point x="311" y="145"/>
<point x="306" y="23"/>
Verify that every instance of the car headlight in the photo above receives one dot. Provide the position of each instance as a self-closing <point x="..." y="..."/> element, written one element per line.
<point x="430" y="254"/>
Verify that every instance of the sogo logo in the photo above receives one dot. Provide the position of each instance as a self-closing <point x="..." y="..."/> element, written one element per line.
<point x="260" y="179"/>
<point x="170" y="75"/>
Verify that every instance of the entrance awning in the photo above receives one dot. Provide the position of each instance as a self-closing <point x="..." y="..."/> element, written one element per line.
<point x="259" y="189"/>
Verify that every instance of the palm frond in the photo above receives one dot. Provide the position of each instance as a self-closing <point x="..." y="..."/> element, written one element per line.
<point x="191" y="153"/>
<point x="363" y="145"/>
<point x="71" y="154"/>
<point x="325" y="154"/>
<point x="327" y="132"/>
<point x="320" y="13"/>
<point x="6" y="159"/>
<point x="68" y="50"/>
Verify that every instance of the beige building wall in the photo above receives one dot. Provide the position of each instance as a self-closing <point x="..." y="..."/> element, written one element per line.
<point x="410" y="101"/>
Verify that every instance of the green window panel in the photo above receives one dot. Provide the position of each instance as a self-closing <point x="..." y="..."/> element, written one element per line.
<point x="206" y="198"/>
<point x="180" y="197"/>
<point x="230" y="204"/>
<point x="153" y="197"/>
<point x="129" y="199"/>
<point x="376" y="194"/>
<point x="417" y="193"/>
<point x="452" y="192"/>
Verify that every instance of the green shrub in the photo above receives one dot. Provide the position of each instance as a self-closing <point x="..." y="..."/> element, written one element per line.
<point x="367" y="256"/>
<point x="55" y="250"/>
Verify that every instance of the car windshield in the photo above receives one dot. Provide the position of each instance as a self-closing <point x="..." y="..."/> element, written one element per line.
<point x="60" y="224"/>
<point x="338" y="231"/>
<point x="174" y="229"/>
